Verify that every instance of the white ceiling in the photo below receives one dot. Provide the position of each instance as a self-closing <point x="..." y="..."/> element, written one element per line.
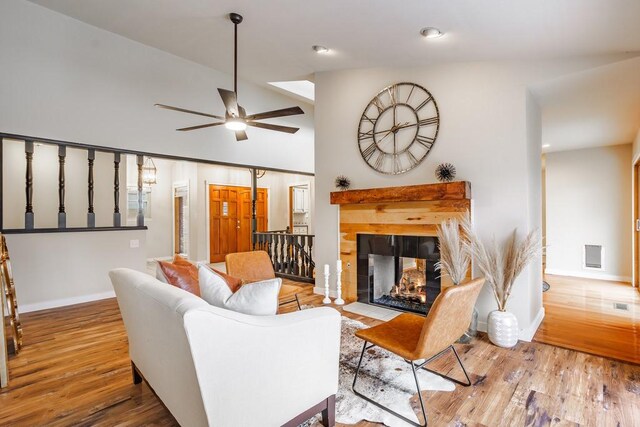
<point x="592" y="108"/>
<point x="276" y="36"/>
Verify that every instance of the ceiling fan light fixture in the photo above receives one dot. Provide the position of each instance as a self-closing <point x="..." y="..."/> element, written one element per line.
<point x="235" y="124"/>
<point x="431" y="33"/>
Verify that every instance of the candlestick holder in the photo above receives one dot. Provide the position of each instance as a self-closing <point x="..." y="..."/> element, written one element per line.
<point x="326" y="299"/>
<point x="339" y="300"/>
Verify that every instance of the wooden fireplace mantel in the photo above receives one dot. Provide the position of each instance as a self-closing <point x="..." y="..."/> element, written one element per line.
<point x="459" y="190"/>
<point x="413" y="210"/>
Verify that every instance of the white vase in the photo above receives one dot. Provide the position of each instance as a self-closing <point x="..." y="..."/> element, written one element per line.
<point x="503" y="328"/>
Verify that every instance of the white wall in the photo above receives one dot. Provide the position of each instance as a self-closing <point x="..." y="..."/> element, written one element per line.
<point x="534" y="184"/>
<point x="64" y="79"/>
<point x="589" y="202"/>
<point x="56" y="269"/>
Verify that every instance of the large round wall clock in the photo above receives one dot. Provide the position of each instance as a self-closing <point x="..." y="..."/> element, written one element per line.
<point x="398" y="128"/>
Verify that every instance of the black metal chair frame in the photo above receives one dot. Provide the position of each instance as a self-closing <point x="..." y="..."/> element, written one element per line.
<point x="414" y="367"/>
<point x="296" y="300"/>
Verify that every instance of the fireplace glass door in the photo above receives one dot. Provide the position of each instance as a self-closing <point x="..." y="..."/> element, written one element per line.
<point x="398" y="272"/>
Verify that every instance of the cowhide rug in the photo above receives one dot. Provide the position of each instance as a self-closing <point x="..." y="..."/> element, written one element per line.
<point x="383" y="377"/>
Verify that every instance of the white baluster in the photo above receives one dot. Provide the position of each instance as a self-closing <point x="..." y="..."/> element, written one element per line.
<point x="339" y="300"/>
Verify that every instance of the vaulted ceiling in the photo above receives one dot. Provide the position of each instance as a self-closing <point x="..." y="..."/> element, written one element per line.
<point x="276" y="36"/>
<point x="595" y="107"/>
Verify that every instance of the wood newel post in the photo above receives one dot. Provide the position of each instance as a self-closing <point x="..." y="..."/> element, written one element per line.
<point x="28" y="215"/>
<point x="62" y="215"/>
<point x="117" y="218"/>
<point x="140" y="218"/>
<point x="254" y="197"/>
<point x="91" y="216"/>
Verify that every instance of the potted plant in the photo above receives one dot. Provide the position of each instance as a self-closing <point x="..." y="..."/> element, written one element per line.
<point x="501" y="265"/>
<point x="455" y="258"/>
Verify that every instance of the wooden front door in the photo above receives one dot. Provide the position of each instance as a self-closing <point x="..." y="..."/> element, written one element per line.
<point x="230" y="219"/>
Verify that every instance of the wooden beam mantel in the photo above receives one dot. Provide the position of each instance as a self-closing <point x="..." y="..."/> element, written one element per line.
<point x="459" y="190"/>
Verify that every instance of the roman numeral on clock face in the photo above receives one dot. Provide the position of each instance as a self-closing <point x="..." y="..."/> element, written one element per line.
<point x="377" y="102"/>
<point x="425" y="141"/>
<point x="425" y="102"/>
<point x="367" y="118"/>
<point x="393" y="94"/>
<point x="412" y="159"/>
<point x="396" y="164"/>
<point x="430" y="121"/>
<point x="380" y="161"/>
<point x="368" y="152"/>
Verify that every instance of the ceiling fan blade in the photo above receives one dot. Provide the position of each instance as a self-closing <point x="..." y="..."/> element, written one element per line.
<point x="241" y="135"/>
<point x="230" y="101"/>
<point x="291" y="111"/>
<point x="201" y="126"/>
<point x="269" y="126"/>
<point x="182" y="110"/>
<point x="243" y="112"/>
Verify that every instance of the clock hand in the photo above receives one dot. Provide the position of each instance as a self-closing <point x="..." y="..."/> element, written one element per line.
<point x="393" y="128"/>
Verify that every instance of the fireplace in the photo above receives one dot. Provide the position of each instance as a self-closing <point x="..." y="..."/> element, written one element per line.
<point x="398" y="272"/>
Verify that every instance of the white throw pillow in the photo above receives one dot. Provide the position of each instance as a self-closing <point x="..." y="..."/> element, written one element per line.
<point x="258" y="299"/>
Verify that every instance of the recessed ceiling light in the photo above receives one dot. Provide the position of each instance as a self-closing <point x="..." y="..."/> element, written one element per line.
<point x="546" y="146"/>
<point x="320" y="49"/>
<point x="431" y="33"/>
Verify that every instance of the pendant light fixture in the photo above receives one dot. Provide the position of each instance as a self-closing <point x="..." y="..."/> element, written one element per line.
<point x="149" y="172"/>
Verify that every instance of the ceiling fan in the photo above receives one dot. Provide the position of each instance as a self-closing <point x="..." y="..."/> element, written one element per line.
<point x="235" y="117"/>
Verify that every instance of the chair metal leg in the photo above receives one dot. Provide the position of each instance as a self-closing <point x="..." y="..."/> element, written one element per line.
<point x="298" y="302"/>
<point x="465" y="384"/>
<point x="379" y="405"/>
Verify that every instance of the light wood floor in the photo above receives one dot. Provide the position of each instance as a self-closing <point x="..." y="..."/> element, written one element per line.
<point x="74" y="370"/>
<point x="580" y="315"/>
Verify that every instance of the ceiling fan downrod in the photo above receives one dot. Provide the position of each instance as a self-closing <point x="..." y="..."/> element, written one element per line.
<point x="236" y="18"/>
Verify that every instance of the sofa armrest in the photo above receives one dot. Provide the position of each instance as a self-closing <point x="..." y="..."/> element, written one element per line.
<point x="256" y="370"/>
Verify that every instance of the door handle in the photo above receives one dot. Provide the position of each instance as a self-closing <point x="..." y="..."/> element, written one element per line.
<point x="637" y="224"/>
<point x="238" y="227"/>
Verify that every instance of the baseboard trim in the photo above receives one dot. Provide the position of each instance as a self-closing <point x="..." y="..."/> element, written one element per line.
<point x="62" y="302"/>
<point x="587" y="275"/>
<point x="528" y="333"/>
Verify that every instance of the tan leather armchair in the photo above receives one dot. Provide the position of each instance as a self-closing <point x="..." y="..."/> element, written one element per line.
<point x="256" y="266"/>
<point x="419" y="340"/>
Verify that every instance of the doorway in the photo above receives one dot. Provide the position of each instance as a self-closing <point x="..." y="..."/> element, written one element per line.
<point x="181" y="219"/>
<point x="636" y="224"/>
<point x="230" y="219"/>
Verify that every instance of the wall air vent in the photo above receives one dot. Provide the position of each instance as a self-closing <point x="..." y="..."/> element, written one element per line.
<point x="594" y="257"/>
<point x="620" y="306"/>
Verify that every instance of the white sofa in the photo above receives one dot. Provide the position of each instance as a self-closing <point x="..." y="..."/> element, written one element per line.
<point x="215" y="367"/>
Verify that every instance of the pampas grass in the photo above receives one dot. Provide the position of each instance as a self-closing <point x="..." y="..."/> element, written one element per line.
<point x="455" y="254"/>
<point x="501" y="265"/>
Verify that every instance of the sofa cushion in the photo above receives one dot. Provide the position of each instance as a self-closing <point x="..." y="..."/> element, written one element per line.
<point x="259" y="298"/>
<point x="182" y="276"/>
